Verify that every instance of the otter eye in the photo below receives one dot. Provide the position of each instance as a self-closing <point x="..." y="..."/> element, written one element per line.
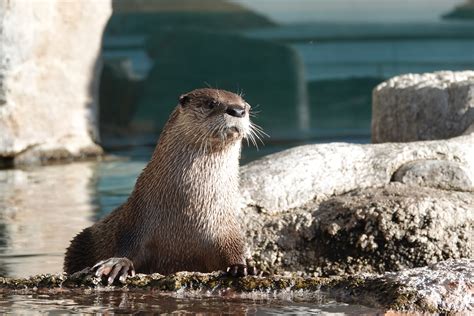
<point x="184" y="100"/>
<point x="212" y="104"/>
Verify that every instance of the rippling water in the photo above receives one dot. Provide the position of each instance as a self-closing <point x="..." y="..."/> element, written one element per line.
<point x="123" y="302"/>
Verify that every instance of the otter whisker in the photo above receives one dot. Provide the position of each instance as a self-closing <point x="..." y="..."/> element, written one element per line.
<point x="252" y="139"/>
<point x="258" y="129"/>
<point x="208" y="85"/>
<point x="251" y="136"/>
<point x="257" y="133"/>
<point x="254" y="113"/>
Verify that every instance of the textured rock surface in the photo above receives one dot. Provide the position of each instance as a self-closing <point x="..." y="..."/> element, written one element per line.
<point x="367" y="230"/>
<point x="447" y="175"/>
<point x="48" y="70"/>
<point x="441" y="288"/>
<point x="426" y="106"/>
<point x="289" y="179"/>
<point x="340" y="208"/>
<point x="445" y="287"/>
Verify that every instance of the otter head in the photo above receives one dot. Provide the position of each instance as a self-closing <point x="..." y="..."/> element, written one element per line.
<point x="214" y="116"/>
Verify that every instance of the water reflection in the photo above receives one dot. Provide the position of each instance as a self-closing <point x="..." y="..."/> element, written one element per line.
<point x="41" y="210"/>
<point x="123" y="302"/>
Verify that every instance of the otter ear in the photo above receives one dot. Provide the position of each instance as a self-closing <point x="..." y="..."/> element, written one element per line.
<point x="184" y="100"/>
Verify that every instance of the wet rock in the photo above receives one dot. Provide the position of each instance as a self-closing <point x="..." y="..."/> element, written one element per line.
<point x="426" y="106"/>
<point x="367" y="230"/>
<point x="447" y="175"/>
<point x="291" y="178"/>
<point x="48" y="88"/>
<point x="334" y="208"/>
<point x="446" y="287"/>
<point x="442" y="288"/>
<point x="393" y="228"/>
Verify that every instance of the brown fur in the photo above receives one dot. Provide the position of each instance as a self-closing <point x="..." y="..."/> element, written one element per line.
<point x="181" y="213"/>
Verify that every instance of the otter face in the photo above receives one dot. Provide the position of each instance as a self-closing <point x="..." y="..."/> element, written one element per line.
<point x="218" y="115"/>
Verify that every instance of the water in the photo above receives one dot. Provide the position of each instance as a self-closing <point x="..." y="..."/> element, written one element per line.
<point x="125" y="302"/>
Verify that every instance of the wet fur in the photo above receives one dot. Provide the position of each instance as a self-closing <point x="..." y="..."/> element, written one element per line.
<point x="181" y="214"/>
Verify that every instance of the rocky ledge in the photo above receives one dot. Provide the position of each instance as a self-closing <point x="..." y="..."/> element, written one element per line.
<point x="445" y="287"/>
<point x="333" y="209"/>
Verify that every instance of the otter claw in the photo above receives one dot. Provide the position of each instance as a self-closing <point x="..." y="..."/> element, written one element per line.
<point x="241" y="270"/>
<point x="252" y="270"/>
<point x="113" y="267"/>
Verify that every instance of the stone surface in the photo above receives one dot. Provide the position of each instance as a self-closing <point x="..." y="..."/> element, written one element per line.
<point x="447" y="175"/>
<point x="442" y="288"/>
<point x="426" y="106"/>
<point x="289" y="179"/>
<point x="366" y="230"/>
<point x="48" y="79"/>
<point x="346" y="208"/>
<point x="445" y="287"/>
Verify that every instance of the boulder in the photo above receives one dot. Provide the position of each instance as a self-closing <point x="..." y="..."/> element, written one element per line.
<point x="48" y="79"/>
<point x="426" y="106"/>
<point x="374" y="230"/>
<point x="291" y="178"/>
<point x="347" y="208"/>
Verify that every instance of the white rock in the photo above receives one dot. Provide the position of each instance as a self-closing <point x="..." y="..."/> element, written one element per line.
<point x="296" y="176"/>
<point x="426" y="106"/>
<point x="49" y="62"/>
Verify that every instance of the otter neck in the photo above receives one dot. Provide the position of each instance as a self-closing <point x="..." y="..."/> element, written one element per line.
<point x="183" y="177"/>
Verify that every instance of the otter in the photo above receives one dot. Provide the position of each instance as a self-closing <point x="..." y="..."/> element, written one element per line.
<point x="181" y="214"/>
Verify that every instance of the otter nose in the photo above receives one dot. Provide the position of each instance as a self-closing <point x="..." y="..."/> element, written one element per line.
<point x="235" y="111"/>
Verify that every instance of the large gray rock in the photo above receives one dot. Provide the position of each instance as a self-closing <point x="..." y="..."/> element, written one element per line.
<point x="367" y="230"/>
<point x="49" y="59"/>
<point x="288" y="179"/>
<point x="426" y="106"/>
<point x="344" y="208"/>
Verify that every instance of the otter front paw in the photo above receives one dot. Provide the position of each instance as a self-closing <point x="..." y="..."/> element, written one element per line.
<point x="113" y="267"/>
<point x="241" y="270"/>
